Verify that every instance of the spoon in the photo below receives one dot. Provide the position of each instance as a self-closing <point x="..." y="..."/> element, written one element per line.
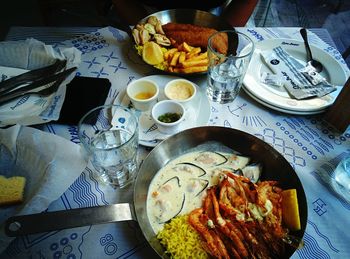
<point x="314" y="63"/>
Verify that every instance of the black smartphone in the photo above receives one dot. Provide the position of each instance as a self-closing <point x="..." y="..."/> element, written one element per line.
<point x="82" y="95"/>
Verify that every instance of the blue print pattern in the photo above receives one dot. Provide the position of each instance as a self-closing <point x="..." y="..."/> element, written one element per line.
<point x="82" y="192"/>
<point x="90" y="42"/>
<point x="312" y="249"/>
<point x="253" y="121"/>
<point x="269" y="136"/>
<point x="323" y="236"/>
<point x="116" y="34"/>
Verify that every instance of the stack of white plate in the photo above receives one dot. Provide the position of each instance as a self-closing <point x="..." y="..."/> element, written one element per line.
<point x="277" y="98"/>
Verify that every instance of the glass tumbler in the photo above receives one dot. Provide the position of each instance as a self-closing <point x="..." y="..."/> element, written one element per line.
<point x="229" y="54"/>
<point x="109" y="135"/>
<point x="342" y="177"/>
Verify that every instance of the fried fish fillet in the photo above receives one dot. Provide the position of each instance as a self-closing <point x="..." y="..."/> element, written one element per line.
<point x="193" y="35"/>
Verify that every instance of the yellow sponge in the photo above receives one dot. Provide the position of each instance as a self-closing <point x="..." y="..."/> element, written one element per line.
<point x="11" y="190"/>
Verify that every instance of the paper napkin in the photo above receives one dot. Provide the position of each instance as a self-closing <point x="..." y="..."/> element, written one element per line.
<point x="49" y="163"/>
<point x="299" y="80"/>
<point x="17" y="57"/>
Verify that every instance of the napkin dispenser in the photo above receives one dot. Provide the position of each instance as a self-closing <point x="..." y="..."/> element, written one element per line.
<point x="339" y="113"/>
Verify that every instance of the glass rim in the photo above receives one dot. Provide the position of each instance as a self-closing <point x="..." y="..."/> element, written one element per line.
<point x="100" y="108"/>
<point x="231" y="31"/>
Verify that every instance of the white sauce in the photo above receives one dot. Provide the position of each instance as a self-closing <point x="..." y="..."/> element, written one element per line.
<point x="178" y="188"/>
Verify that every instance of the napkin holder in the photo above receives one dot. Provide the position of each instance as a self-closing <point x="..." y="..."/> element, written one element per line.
<point x="339" y="113"/>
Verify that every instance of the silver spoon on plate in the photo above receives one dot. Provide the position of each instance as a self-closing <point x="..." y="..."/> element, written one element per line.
<point x="314" y="63"/>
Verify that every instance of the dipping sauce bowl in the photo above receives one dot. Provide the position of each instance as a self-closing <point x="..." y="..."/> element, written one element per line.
<point x="168" y="115"/>
<point x="180" y="90"/>
<point x="143" y="93"/>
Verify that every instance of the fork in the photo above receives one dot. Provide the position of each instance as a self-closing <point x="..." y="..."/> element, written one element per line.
<point x="53" y="82"/>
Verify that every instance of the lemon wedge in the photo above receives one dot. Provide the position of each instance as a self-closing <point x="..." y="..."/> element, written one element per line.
<point x="290" y="209"/>
<point x="152" y="53"/>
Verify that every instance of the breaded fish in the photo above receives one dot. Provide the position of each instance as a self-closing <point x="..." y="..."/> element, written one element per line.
<point x="193" y="35"/>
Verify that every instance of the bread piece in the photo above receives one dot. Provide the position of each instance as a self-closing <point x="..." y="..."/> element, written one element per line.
<point x="11" y="190"/>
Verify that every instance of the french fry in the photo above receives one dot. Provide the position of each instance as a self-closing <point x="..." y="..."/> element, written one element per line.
<point x="201" y="56"/>
<point x="186" y="47"/>
<point x="193" y="52"/>
<point x="175" y="59"/>
<point x="169" y="53"/>
<point x="186" y="59"/>
<point x="189" y="70"/>
<point x="182" y="57"/>
<point x="195" y="63"/>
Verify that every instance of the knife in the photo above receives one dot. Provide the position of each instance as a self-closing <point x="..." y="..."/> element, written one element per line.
<point x="30" y="76"/>
<point x="51" y="83"/>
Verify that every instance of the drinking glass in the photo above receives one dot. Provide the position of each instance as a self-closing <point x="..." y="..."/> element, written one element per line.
<point x="342" y="177"/>
<point x="109" y="135"/>
<point x="229" y="55"/>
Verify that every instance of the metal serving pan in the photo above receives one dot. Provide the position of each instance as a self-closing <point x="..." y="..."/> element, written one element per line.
<point x="275" y="167"/>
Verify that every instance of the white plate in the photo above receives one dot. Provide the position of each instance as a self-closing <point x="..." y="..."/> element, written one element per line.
<point x="280" y="109"/>
<point x="198" y="113"/>
<point x="278" y="98"/>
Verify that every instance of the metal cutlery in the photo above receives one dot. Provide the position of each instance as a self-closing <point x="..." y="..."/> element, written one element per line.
<point x="44" y="86"/>
<point x="314" y="63"/>
<point x="31" y="76"/>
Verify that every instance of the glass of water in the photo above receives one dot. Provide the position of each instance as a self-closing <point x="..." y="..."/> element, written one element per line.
<point x="229" y="55"/>
<point x="109" y="135"/>
<point x="342" y="177"/>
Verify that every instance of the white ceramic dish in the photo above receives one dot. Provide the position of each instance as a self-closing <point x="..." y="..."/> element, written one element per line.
<point x="164" y="107"/>
<point x="180" y="90"/>
<point x="280" y="109"/>
<point x="279" y="98"/>
<point x="149" y="91"/>
<point x="197" y="114"/>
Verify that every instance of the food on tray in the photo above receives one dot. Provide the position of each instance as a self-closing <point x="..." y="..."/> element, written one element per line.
<point x="182" y="51"/>
<point x="194" y="35"/>
<point x="169" y="117"/>
<point x="173" y="235"/>
<point x="234" y="212"/>
<point x="11" y="190"/>
<point x="186" y="59"/>
<point x="152" y="53"/>
<point x="290" y="209"/>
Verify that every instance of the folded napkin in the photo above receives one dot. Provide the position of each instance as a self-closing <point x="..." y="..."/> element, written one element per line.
<point x="17" y="57"/>
<point x="299" y="80"/>
<point x="49" y="163"/>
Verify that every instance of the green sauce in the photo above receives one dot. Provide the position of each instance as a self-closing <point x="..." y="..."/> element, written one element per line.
<point x="169" y="117"/>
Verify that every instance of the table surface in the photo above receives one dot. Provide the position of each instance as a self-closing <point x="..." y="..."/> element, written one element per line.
<point x="310" y="145"/>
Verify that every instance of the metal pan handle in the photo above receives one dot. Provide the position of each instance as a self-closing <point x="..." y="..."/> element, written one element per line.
<point x="57" y="220"/>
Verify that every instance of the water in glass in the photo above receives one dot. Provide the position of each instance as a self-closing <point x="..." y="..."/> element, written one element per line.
<point x="115" y="156"/>
<point x="224" y="83"/>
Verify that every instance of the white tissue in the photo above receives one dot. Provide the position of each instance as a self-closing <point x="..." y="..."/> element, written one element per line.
<point x="49" y="163"/>
<point x="28" y="55"/>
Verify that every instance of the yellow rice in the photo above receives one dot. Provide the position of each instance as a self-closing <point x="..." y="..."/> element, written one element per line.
<point x="181" y="240"/>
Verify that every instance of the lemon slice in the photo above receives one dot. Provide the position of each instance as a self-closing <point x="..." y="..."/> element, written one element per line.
<point x="290" y="209"/>
<point x="152" y="53"/>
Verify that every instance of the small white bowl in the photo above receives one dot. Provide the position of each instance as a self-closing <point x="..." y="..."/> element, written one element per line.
<point x="180" y="90"/>
<point x="143" y="93"/>
<point x="164" y="107"/>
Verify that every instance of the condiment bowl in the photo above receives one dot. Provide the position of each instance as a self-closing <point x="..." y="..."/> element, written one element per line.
<point x="180" y="90"/>
<point x="143" y="93"/>
<point x="167" y="110"/>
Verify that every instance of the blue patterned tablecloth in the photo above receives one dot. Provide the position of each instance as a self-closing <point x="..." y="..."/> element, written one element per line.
<point x="310" y="145"/>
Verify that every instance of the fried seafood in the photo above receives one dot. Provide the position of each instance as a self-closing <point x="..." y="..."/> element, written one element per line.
<point x="194" y="35"/>
<point x="240" y="219"/>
